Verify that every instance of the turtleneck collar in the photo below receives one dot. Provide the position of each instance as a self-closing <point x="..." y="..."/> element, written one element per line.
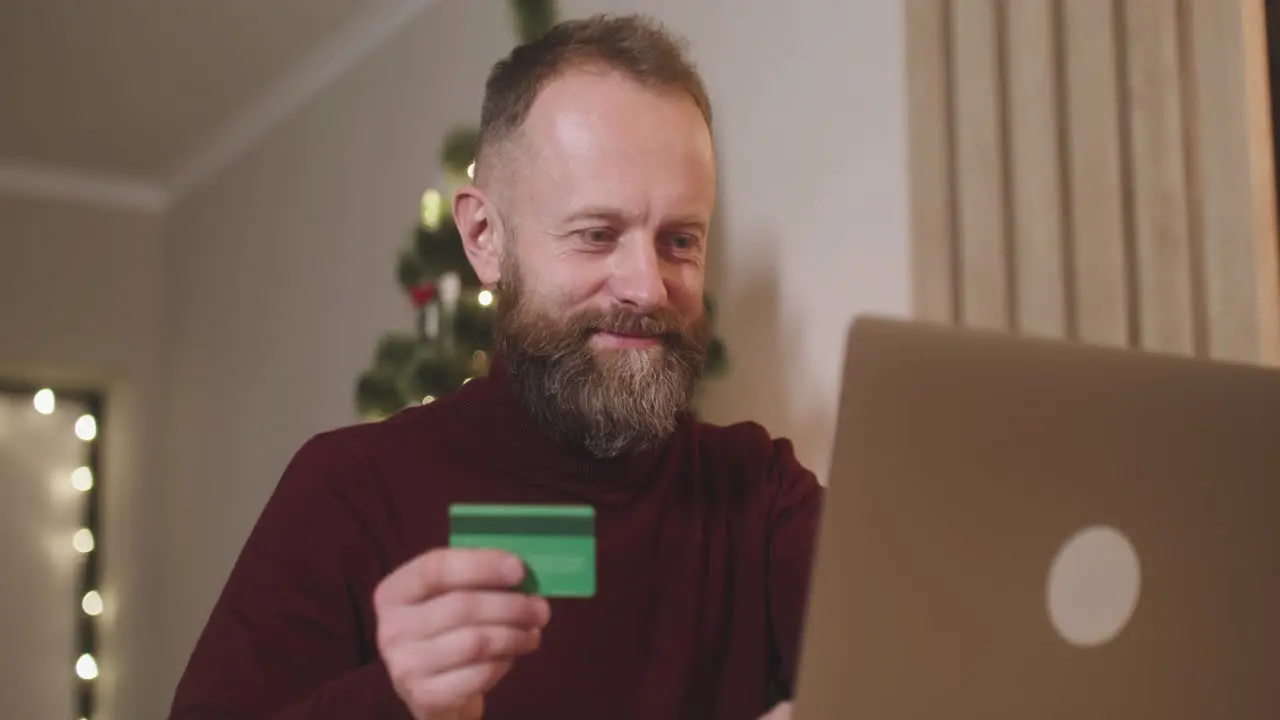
<point x="511" y="440"/>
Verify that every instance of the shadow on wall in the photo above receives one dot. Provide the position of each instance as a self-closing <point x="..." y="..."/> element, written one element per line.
<point x="765" y="374"/>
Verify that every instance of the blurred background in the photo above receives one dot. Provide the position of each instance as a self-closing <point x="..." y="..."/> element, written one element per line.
<point x="201" y="210"/>
<point x="207" y="210"/>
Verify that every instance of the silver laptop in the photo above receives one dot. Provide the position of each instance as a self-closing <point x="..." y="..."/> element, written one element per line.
<point x="1029" y="529"/>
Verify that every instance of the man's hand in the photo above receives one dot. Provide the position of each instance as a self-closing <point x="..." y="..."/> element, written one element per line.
<point x="449" y="628"/>
<point x="779" y="712"/>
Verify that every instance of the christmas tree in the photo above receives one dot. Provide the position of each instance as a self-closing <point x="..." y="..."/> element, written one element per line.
<point x="453" y="338"/>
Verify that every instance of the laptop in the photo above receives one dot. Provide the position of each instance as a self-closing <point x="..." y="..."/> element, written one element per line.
<point x="1032" y="529"/>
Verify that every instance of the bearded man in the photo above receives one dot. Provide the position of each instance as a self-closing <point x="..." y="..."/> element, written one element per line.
<point x="593" y="195"/>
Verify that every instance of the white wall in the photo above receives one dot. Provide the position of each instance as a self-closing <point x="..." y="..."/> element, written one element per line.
<point x="80" y="302"/>
<point x="279" y="275"/>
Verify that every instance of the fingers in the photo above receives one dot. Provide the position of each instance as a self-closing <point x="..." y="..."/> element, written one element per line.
<point x="472" y="681"/>
<point x="447" y="673"/>
<point x="440" y="693"/>
<point x="449" y="627"/>
<point x="447" y="569"/>
<point x="458" y="650"/>
<point x="446" y="613"/>
<point x="455" y="646"/>
<point x="479" y="645"/>
<point x="462" y="609"/>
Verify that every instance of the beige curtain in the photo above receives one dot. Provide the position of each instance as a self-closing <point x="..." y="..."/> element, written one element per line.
<point x="1096" y="169"/>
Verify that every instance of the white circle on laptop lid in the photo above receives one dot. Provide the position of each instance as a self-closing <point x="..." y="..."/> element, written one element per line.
<point x="1093" y="588"/>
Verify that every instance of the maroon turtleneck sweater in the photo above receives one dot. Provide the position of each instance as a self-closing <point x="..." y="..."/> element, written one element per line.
<point x="704" y="549"/>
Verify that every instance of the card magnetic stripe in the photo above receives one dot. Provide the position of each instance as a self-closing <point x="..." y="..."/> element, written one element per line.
<point x="492" y="525"/>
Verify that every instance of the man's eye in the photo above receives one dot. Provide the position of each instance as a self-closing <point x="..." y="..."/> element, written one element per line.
<point x="598" y="235"/>
<point x="682" y="242"/>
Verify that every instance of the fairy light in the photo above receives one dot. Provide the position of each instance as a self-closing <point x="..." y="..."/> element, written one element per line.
<point x="92" y="603"/>
<point x="432" y="208"/>
<point x="86" y="540"/>
<point x="82" y="479"/>
<point x="82" y="541"/>
<point x="86" y="667"/>
<point x="86" y="428"/>
<point x="45" y="401"/>
<point x="485" y="298"/>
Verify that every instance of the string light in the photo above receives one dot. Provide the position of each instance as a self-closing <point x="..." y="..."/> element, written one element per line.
<point x="45" y="401"/>
<point x="432" y="208"/>
<point x="90" y="605"/>
<point x="87" y="667"/>
<point x="85" y="541"/>
<point x="82" y="541"/>
<point x="86" y="428"/>
<point x="82" y="479"/>
<point x="485" y="298"/>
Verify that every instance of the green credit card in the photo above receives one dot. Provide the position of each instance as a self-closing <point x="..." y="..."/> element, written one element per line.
<point x="556" y="542"/>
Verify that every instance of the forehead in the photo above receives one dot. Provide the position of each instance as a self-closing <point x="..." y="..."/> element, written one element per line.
<point x="599" y="131"/>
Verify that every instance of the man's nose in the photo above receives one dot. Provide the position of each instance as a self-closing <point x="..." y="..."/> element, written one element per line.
<point x="638" y="275"/>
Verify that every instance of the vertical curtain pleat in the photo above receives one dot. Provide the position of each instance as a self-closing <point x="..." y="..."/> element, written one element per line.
<point x="1100" y="170"/>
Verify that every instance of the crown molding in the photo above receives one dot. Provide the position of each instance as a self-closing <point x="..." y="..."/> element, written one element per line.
<point x="47" y="182"/>
<point x="292" y="90"/>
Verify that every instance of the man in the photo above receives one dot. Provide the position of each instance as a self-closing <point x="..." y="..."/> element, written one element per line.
<point x="594" y="188"/>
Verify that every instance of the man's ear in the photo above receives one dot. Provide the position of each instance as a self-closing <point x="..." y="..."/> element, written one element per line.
<point x="481" y="229"/>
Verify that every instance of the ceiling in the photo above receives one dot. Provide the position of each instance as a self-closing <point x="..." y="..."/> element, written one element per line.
<point x="155" y="95"/>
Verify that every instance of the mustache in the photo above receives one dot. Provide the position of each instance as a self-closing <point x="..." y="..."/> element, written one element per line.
<point x="665" y="324"/>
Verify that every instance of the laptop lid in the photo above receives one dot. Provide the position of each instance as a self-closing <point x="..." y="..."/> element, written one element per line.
<point x="1021" y="528"/>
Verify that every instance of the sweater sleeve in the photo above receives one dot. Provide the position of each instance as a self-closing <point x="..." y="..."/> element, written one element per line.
<point x="286" y="640"/>
<point x="793" y="521"/>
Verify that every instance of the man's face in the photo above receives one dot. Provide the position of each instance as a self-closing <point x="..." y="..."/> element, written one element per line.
<point x="603" y="262"/>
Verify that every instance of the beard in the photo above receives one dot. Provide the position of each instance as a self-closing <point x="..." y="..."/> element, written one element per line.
<point x="610" y="401"/>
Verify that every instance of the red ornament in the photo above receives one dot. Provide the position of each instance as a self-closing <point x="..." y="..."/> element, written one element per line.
<point x="422" y="295"/>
